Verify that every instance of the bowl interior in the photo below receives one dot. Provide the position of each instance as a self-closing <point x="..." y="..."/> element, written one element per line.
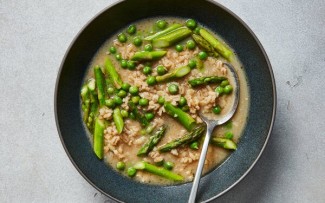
<point x="79" y="55"/>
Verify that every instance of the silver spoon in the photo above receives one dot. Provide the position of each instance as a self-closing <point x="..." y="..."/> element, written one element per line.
<point x="211" y="124"/>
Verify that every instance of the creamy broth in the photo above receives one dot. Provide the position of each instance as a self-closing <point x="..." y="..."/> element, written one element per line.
<point x="128" y="152"/>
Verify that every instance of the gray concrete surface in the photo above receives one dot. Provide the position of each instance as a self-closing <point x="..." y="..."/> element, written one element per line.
<point x="34" y="36"/>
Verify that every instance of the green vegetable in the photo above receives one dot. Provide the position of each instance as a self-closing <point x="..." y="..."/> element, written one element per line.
<point x="86" y="101"/>
<point x="118" y="120"/>
<point x="148" y="55"/>
<point x="147" y="70"/>
<point x="229" y="135"/>
<point x="120" y="165"/>
<point x="161" y="70"/>
<point x="158" y="171"/>
<point x="179" y="48"/>
<point x="197" y="30"/>
<point x="182" y="101"/>
<point x="216" y="44"/>
<point x="118" y="57"/>
<point x="137" y="115"/>
<point x="148" y="47"/>
<point x="93" y="112"/>
<point x="124" y="113"/>
<point x="110" y="103"/>
<point x="203" y="55"/>
<point x="224" y="83"/>
<point x="135" y="99"/>
<point x="134" y="90"/>
<point x="220" y="90"/>
<point x="117" y="100"/>
<point x="132" y="29"/>
<point x="228" y="89"/>
<point x="100" y="82"/>
<point x="216" y="109"/>
<point x="126" y="87"/>
<point x="190" y="23"/>
<point x="194" y="145"/>
<point x="171" y="37"/>
<point x="192" y="63"/>
<point x="112" y="50"/>
<point x="205" y="80"/>
<point x="124" y="63"/>
<point x="137" y="41"/>
<point x="152" y="142"/>
<point x="122" y="93"/>
<point x="143" y="102"/>
<point x="190" y="44"/>
<point x="151" y="80"/>
<point x="131" y="65"/>
<point x="199" y="63"/>
<point x="224" y="143"/>
<point x="168" y="165"/>
<point x="185" y="108"/>
<point x="110" y="69"/>
<point x="164" y="32"/>
<point x="161" y="100"/>
<point x="195" y="134"/>
<point x="204" y="45"/>
<point x="122" y="37"/>
<point x="131" y="172"/>
<point x="99" y="138"/>
<point x="185" y="119"/>
<point x="173" y="89"/>
<point x="110" y="90"/>
<point x="149" y="116"/>
<point x="161" y="24"/>
<point x="175" y="73"/>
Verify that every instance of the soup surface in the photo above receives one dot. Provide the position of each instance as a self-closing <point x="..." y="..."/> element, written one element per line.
<point x="162" y="85"/>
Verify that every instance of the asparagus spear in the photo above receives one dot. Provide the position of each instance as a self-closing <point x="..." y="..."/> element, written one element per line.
<point x="118" y="120"/>
<point x="85" y="101"/>
<point x="171" y="37"/>
<point x="148" y="55"/>
<point x="185" y="119"/>
<point x="188" y="138"/>
<point x="99" y="138"/>
<point x="153" y="141"/>
<point x="92" y="114"/>
<point x="176" y="73"/>
<point x="204" y="44"/>
<point x="161" y="33"/>
<point x="101" y="86"/>
<point x="216" y="44"/>
<point x="206" y="80"/>
<point x="224" y="143"/>
<point x="113" y="73"/>
<point x="158" y="171"/>
<point x="138" y="115"/>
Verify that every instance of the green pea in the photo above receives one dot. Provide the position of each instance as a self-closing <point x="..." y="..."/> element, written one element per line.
<point x="124" y="113"/>
<point x="168" y="165"/>
<point x="149" y="116"/>
<point x="146" y="70"/>
<point x="216" y="109"/>
<point x="118" y="57"/>
<point x="132" y="29"/>
<point x="190" y="44"/>
<point x="161" y="24"/>
<point x="190" y="23"/>
<point x="112" y="50"/>
<point x="134" y="90"/>
<point x="151" y="80"/>
<point x="229" y="135"/>
<point x="117" y="100"/>
<point x="135" y="99"/>
<point x="173" y="89"/>
<point x="192" y="63"/>
<point x="185" y="108"/>
<point x="122" y="93"/>
<point x="110" y="90"/>
<point x="124" y="63"/>
<point x="131" y="172"/>
<point x="131" y="65"/>
<point x="126" y="87"/>
<point x="194" y="145"/>
<point x="137" y="41"/>
<point x="203" y="55"/>
<point x="143" y="102"/>
<point x="161" y="70"/>
<point x="179" y="48"/>
<point x="228" y="89"/>
<point x="224" y="83"/>
<point x="148" y="47"/>
<point x="120" y="165"/>
<point x="182" y="101"/>
<point x="197" y="30"/>
<point x="110" y="103"/>
<point x="122" y="37"/>
<point x="161" y="100"/>
<point x="219" y="90"/>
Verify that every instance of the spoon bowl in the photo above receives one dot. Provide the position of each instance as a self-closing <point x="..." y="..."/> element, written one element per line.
<point x="211" y="124"/>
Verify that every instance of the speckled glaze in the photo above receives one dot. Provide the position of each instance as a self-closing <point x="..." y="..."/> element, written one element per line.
<point x="89" y="40"/>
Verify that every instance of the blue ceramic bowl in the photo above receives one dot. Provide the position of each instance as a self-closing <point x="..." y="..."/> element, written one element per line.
<point x="93" y="35"/>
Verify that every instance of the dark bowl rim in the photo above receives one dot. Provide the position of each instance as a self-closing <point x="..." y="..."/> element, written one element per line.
<point x="225" y="9"/>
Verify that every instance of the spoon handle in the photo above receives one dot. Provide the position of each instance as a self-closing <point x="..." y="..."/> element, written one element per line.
<point x="200" y="165"/>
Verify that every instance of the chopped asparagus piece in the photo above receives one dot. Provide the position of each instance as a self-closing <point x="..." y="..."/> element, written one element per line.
<point x="206" y="80"/>
<point x="118" y="120"/>
<point x="184" y="118"/>
<point x="224" y="143"/>
<point x="161" y="33"/>
<point x="99" y="138"/>
<point x="171" y="37"/>
<point x="176" y="73"/>
<point x="148" y="55"/>
<point x="152" y="142"/>
<point x="101" y="86"/>
<point x="115" y="77"/>
<point x="205" y="45"/>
